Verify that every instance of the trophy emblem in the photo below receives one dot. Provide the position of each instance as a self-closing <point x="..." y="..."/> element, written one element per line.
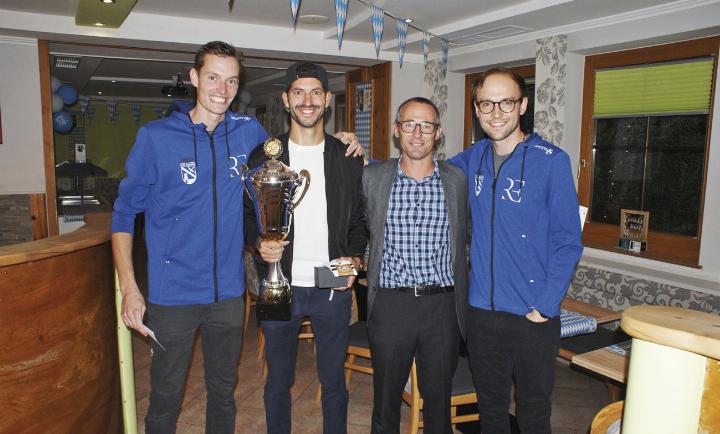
<point x="273" y="188"/>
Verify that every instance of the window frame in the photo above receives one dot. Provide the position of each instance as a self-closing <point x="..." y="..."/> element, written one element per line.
<point x="677" y="249"/>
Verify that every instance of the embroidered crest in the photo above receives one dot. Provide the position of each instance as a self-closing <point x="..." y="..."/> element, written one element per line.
<point x="479" y="184"/>
<point x="188" y="171"/>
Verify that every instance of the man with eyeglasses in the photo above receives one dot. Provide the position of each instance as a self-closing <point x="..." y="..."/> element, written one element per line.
<point x="416" y="210"/>
<point x="525" y="244"/>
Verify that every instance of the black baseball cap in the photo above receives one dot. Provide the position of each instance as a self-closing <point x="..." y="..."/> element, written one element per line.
<point x="306" y="70"/>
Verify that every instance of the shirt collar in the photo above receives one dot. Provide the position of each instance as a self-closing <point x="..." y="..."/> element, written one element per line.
<point x="435" y="173"/>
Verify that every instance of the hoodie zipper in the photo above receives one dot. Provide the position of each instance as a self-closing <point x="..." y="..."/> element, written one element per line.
<point x="492" y="224"/>
<point x="214" y="195"/>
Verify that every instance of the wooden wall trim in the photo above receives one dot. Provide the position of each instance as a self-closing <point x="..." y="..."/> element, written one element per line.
<point x="38" y="216"/>
<point x="48" y="139"/>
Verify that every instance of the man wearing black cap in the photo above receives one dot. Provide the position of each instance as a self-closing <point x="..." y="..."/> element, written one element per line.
<point x="328" y="224"/>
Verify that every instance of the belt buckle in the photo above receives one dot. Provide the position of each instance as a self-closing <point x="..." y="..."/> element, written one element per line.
<point x="416" y="290"/>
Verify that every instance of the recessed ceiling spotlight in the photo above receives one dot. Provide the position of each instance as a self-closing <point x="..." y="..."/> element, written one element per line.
<point x="114" y="81"/>
<point x="313" y="19"/>
<point x="408" y="20"/>
<point x="107" y="1"/>
<point x="99" y="92"/>
<point x="99" y="24"/>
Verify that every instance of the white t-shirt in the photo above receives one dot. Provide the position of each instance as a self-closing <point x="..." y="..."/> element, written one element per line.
<point x="310" y="243"/>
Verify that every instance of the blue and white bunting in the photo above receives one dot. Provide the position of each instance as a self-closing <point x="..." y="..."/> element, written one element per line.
<point x="112" y="110"/>
<point x="136" y="112"/>
<point x="402" y="27"/>
<point x="294" y="5"/>
<point x="444" y="52"/>
<point x="426" y="46"/>
<point x="378" y="23"/>
<point x="90" y="114"/>
<point x="341" y="7"/>
<point x="84" y="101"/>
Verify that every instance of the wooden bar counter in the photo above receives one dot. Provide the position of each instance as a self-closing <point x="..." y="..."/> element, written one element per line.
<point x="58" y="351"/>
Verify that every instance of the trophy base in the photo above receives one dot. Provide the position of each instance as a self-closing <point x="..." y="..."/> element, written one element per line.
<point x="273" y="311"/>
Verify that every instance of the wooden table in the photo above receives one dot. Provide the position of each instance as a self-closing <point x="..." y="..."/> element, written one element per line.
<point x="605" y="362"/>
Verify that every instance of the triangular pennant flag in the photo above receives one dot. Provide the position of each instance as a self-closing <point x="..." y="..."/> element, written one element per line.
<point x="136" y="112"/>
<point x="378" y="23"/>
<point x="340" y="17"/>
<point x="112" y="110"/>
<point x="444" y="52"/>
<point x="84" y="101"/>
<point x="294" y="5"/>
<point x="90" y="114"/>
<point x="402" y="27"/>
<point x="426" y="46"/>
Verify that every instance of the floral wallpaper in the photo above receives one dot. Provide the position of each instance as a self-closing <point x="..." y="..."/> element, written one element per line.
<point x="436" y="90"/>
<point x="550" y="88"/>
<point x="617" y="291"/>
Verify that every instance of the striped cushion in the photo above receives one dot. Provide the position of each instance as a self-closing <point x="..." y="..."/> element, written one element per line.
<point x="573" y="323"/>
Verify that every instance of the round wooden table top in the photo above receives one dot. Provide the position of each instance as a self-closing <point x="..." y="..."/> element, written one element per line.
<point x="675" y="327"/>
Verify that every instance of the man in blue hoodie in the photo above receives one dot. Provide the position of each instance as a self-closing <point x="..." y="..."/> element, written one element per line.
<point x="525" y="244"/>
<point x="184" y="173"/>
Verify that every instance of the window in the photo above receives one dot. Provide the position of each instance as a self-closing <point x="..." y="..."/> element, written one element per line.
<point x="473" y="132"/>
<point x="645" y="135"/>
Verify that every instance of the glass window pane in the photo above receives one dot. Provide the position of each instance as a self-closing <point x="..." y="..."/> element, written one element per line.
<point x="618" y="161"/>
<point x="674" y="173"/>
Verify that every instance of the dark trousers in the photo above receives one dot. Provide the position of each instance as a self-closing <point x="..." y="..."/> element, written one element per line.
<point x="220" y="327"/>
<point x="501" y="345"/>
<point x="402" y="326"/>
<point x="330" y="322"/>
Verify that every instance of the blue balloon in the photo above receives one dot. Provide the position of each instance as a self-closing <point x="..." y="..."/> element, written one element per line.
<point x="68" y="94"/>
<point x="62" y="121"/>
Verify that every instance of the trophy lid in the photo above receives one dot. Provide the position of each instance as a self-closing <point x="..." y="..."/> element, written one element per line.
<point x="272" y="170"/>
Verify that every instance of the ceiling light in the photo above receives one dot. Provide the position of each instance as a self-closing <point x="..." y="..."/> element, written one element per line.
<point x="107" y="1"/>
<point x="313" y="19"/>
<point x="99" y="24"/>
<point x="114" y="81"/>
<point x="99" y="92"/>
<point x="408" y="20"/>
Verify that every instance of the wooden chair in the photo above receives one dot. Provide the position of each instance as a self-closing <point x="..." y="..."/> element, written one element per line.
<point x="463" y="392"/>
<point x="358" y="346"/>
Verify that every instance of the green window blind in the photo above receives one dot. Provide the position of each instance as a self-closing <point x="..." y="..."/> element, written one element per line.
<point x="642" y="90"/>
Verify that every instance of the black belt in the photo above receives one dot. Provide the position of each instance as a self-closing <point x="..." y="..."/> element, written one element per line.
<point x="419" y="290"/>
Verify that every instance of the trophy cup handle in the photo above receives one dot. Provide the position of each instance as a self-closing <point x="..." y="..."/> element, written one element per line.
<point x="306" y="184"/>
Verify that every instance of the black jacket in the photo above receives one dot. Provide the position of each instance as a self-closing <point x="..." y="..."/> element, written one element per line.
<point x="347" y="233"/>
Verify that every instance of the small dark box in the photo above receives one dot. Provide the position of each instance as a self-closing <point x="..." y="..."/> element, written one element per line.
<point x="324" y="278"/>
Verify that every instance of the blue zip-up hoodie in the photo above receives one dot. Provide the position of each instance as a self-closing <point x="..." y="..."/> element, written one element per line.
<point x="526" y="236"/>
<point x="187" y="181"/>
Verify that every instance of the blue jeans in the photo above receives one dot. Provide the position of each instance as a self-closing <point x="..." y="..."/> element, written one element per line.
<point x="220" y="327"/>
<point x="330" y="319"/>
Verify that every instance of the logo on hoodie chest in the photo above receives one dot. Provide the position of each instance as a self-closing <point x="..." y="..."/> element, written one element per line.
<point x="188" y="171"/>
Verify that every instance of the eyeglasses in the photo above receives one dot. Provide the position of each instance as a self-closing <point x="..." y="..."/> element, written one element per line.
<point x="410" y="126"/>
<point x="506" y="105"/>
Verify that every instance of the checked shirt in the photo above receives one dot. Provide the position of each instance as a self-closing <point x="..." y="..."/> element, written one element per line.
<point x="417" y="247"/>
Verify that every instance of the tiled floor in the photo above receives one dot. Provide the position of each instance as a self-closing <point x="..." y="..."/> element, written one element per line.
<point x="577" y="397"/>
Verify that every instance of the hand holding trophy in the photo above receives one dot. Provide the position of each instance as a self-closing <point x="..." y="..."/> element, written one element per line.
<point x="272" y="188"/>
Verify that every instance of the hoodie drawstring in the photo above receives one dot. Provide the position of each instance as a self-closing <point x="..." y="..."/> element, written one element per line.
<point x="197" y="165"/>
<point x="227" y="146"/>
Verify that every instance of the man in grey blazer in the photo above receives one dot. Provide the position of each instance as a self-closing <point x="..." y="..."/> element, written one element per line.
<point x="416" y="210"/>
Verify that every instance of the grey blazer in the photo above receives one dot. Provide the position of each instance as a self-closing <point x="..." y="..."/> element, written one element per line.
<point x="377" y="182"/>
